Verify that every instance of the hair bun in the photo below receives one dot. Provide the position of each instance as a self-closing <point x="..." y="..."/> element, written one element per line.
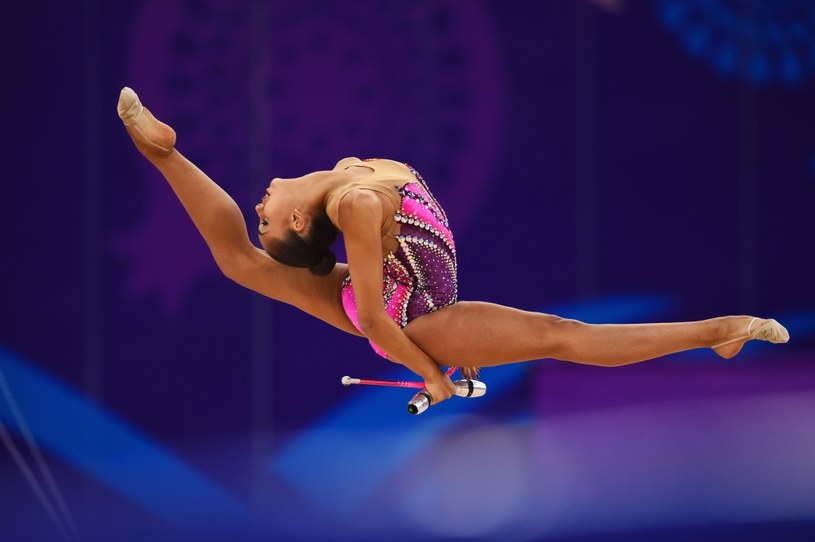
<point x="325" y="264"/>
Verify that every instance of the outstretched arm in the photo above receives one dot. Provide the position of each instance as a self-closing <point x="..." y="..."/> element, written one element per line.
<point x="360" y="215"/>
<point x="220" y="222"/>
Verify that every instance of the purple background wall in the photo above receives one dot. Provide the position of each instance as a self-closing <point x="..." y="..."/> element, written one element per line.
<point x="605" y="160"/>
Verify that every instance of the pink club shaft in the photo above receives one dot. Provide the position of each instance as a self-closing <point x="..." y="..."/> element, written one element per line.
<point x="347" y="380"/>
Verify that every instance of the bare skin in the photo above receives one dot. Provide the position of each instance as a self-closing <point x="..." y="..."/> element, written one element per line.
<point x="466" y="334"/>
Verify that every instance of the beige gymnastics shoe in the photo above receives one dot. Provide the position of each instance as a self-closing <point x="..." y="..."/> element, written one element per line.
<point x="142" y="125"/>
<point x="769" y="330"/>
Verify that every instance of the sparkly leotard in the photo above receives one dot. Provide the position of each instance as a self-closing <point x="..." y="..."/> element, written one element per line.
<point x="419" y="276"/>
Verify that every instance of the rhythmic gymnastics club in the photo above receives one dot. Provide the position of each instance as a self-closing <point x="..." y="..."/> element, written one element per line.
<point x="347" y="381"/>
<point x="464" y="388"/>
<point x="421" y="401"/>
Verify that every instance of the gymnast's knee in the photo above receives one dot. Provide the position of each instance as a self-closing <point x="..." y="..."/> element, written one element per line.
<point x="559" y="334"/>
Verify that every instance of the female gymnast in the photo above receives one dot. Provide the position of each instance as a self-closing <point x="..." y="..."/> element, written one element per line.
<point x="398" y="288"/>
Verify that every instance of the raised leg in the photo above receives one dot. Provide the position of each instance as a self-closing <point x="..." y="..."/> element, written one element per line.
<point x="484" y="334"/>
<point x="221" y="224"/>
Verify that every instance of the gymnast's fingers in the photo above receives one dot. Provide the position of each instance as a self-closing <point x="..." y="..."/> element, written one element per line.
<point x="470" y="372"/>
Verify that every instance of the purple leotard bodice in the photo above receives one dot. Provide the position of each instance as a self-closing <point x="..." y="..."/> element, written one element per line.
<point x="420" y="275"/>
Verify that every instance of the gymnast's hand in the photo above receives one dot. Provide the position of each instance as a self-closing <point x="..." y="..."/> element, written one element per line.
<point x="440" y="388"/>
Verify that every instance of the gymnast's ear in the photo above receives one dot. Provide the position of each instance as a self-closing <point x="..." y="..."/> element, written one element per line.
<point x="298" y="221"/>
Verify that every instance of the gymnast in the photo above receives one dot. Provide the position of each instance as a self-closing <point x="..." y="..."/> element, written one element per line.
<point x="398" y="288"/>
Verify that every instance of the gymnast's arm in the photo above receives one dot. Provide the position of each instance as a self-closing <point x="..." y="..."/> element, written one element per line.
<point x="360" y="216"/>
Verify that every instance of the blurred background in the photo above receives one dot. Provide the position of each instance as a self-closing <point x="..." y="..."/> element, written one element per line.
<point x="606" y="160"/>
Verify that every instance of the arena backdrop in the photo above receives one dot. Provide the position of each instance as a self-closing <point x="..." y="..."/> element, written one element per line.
<point x="607" y="160"/>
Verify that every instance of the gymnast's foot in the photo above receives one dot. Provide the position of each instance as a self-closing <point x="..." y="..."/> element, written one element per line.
<point x="741" y="329"/>
<point x="149" y="134"/>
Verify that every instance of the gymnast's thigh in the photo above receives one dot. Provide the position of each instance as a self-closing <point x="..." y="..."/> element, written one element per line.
<point x="319" y="296"/>
<point x="324" y="299"/>
<point x="444" y="336"/>
<point x="474" y="333"/>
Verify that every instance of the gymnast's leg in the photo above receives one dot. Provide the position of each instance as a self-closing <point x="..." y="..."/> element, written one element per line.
<point x="485" y="334"/>
<point x="221" y="224"/>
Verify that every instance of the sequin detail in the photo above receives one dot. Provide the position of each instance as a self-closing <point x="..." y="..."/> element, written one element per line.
<point x="420" y="276"/>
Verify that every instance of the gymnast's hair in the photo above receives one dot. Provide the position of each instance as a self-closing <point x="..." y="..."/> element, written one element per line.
<point x="312" y="250"/>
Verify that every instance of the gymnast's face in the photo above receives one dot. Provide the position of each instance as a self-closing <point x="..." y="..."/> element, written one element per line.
<point x="277" y="211"/>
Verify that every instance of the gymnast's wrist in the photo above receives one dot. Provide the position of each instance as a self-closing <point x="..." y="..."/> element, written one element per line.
<point x="434" y="374"/>
<point x="426" y="370"/>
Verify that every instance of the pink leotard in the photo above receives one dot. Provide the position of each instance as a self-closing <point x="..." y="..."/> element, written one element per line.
<point x="420" y="275"/>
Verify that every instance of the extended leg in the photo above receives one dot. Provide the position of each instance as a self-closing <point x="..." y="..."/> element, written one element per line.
<point x="474" y="333"/>
<point x="221" y="223"/>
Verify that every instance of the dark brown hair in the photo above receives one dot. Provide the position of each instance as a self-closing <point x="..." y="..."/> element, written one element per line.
<point x="311" y="250"/>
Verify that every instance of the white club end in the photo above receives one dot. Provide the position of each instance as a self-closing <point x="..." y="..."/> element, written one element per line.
<point x="347" y="381"/>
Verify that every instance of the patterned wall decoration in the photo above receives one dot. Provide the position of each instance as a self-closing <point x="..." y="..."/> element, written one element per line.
<point x="767" y="42"/>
